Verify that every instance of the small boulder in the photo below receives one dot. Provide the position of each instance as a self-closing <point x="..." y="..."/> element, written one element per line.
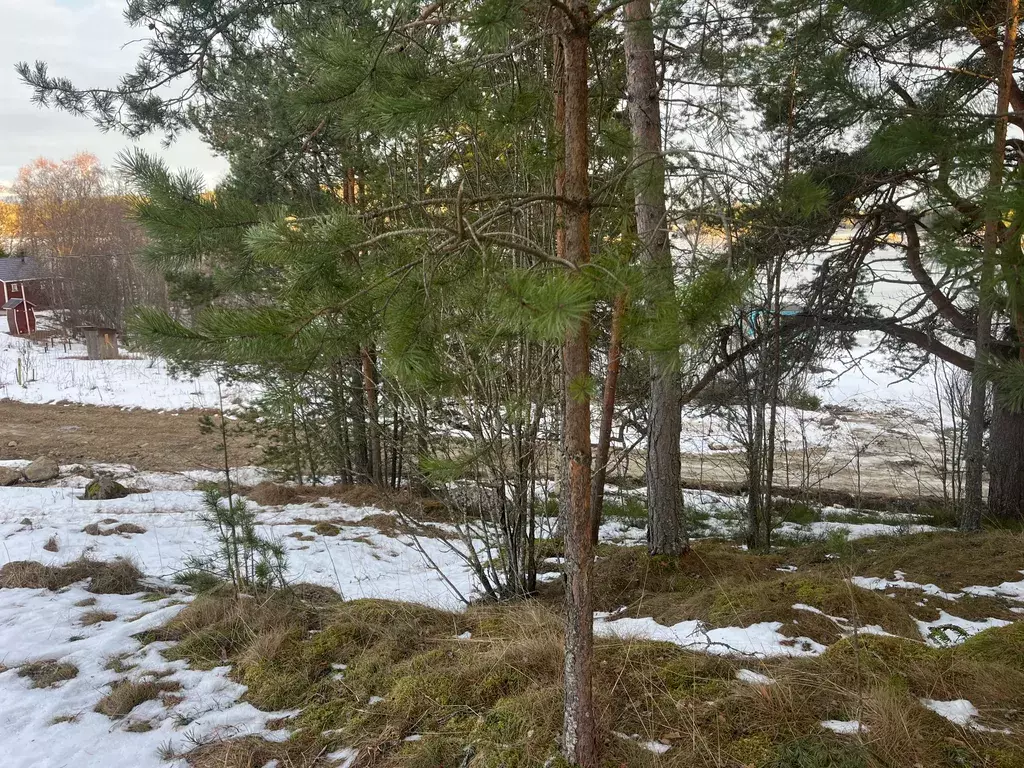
<point x="105" y="487"/>
<point x="9" y="476"/>
<point x="42" y="469"/>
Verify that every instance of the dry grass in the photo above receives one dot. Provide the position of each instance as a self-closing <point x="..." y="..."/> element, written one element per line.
<point x="117" y="577"/>
<point x="245" y="752"/>
<point x="326" y="529"/>
<point x="118" y="664"/>
<point x="950" y="560"/>
<point x="122" y="529"/>
<point x="274" y="494"/>
<point x="125" y="695"/>
<point x="499" y="691"/>
<point x="45" y="674"/>
<point x="88" y="618"/>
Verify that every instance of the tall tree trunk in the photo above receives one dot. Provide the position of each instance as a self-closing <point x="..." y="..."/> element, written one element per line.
<point x="558" y="149"/>
<point x="1006" y="481"/>
<point x="579" y="741"/>
<point x="975" y="450"/>
<point x="665" y="532"/>
<point x="372" y="423"/>
<point x="604" y="439"/>
<point x="360" y="454"/>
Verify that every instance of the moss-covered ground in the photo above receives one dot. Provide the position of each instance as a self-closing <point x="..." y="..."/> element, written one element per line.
<point x="410" y="686"/>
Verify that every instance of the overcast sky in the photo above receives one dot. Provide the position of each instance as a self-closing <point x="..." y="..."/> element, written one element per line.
<point x="85" y="40"/>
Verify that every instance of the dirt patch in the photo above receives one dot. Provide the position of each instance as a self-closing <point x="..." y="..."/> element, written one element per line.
<point x="150" y="440"/>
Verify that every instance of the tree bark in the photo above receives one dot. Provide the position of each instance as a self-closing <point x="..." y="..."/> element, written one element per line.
<point x="558" y="149"/>
<point x="579" y="742"/>
<point x="975" y="448"/>
<point x="360" y="454"/>
<point x="1006" y="481"/>
<point x="372" y="424"/>
<point x="665" y="533"/>
<point x="604" y="439"/>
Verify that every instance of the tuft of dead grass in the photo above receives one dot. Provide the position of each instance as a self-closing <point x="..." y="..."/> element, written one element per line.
<point x="88" y="618"/>
<point x="117" y="577"/>
<point x="245" y="752"/>
<point x="125" y="695"/>
<point x="121" y="529"/>
<point x="326" y="529"/>
<point x="45" y="674"/>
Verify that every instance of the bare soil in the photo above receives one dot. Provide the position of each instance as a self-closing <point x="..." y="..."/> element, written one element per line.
<point x="150" y="440"/>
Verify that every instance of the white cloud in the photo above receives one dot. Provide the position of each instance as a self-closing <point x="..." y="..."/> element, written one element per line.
<point x="88" y="41"/>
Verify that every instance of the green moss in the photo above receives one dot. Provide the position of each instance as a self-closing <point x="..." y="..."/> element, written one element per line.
<point x="275" y="686"/>
<point x="1003" y="645"/>
<point x="756" y="749"/>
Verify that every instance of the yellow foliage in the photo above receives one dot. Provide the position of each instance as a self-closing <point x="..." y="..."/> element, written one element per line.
<point x="8" y="220"/>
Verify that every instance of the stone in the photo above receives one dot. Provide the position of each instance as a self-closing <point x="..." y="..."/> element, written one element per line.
<point x="718" y="446"/>
<point x="42" y="469"/>
<point x="105" y="487"/>
<point x="12" y="444"/>
<point x="828" y="421"/>
<point x="9" y="476"/>
<point x="26" y="521"/>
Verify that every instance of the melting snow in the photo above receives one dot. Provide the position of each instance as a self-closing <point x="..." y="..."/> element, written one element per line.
<point x="842" y="726"/>
<point x="752" y="677"/>
<point x="761" y="640"/>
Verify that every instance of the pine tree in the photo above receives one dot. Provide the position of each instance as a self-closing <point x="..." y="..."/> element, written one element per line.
<point x="904" y="150"/>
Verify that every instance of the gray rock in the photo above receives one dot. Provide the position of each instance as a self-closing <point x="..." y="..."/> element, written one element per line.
<point x="12" y="444"/>
<point x="9" y="476"/>
<point x="42" y="469"/>
<point x="105" y="487"/>
<point x="828" y="421"/>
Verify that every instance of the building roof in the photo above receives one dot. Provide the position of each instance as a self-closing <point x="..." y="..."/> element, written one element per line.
<point x="12" y="303"/>
<point x="14" y="269"/>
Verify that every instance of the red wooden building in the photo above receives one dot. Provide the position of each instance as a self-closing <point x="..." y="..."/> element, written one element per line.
<point x="21" y="277"/>
<point x="21" y="316"/>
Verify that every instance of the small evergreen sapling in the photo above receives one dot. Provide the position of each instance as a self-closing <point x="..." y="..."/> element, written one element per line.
<point x="243" y="557"/>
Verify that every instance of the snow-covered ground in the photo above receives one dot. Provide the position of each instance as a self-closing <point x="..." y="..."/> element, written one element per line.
<point x="57" y="371"/>
<point x="57" y="726"/>
<point x="47" y="727"/>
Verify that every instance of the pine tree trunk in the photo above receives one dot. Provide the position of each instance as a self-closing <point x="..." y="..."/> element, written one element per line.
<point x="360" y="462"/>
<point x="975" y="452"/>
<point x="558" y="149"/>
<point x="604" y="440"/>
<point x="372" y="424"/>
<point x="665" y="533"/>
<point x="579" y="742"/>
<point x="1006" y="458"/>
